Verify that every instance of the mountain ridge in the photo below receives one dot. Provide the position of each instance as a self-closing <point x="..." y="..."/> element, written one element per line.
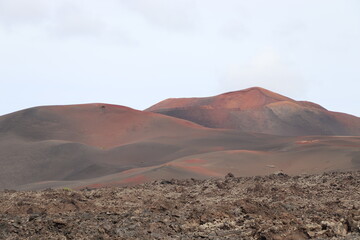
<point x="259" y="110"/>
<point x="100" y="145"/>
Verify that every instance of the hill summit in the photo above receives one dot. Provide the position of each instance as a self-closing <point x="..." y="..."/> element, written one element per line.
<point x="259" y="110"/>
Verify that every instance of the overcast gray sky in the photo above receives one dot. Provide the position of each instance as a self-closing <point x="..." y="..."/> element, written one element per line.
<point x="139" y="52"/>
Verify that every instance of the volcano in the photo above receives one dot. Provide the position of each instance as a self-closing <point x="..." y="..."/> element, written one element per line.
<point x="80" y="142"/>
<point x="101" y="145"/>
<point x="262" y="111"/>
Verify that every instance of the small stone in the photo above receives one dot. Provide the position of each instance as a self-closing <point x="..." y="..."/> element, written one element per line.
<point x="229" y="176"/>
<point x="59" y="221"/>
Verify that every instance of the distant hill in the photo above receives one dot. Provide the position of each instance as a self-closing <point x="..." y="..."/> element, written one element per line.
<point x="76" y="142"/>
<point x="96" y="145"/>
<point x="260" y="110"/>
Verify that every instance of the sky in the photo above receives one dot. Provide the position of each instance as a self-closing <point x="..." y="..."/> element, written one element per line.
<point x="139" y="52"/>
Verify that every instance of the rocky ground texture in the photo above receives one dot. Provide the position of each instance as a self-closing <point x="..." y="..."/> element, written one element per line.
<point x="277" y="206"/>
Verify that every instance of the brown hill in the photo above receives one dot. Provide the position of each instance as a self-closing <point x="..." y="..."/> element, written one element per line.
<point x="66" y="143"/>
<point x="259" y="110"/>
<point x="293" y="156"/>
<point x="97" y="125"/>
<point x="98" y="145"/>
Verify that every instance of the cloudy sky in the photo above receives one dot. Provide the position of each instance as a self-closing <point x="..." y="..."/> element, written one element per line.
<point x="139" y="52"/>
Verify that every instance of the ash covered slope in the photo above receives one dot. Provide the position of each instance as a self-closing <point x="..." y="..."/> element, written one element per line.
<point x="97" y="125"/>
<point x="108" y="145"/>
<point x="81" y="141"/>
<point x="215" y="156"/>
<point x="76" y="142"/>
<point x="259" y="110"/>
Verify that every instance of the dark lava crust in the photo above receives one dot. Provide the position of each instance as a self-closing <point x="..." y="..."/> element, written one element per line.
<point x="323" y="206"/>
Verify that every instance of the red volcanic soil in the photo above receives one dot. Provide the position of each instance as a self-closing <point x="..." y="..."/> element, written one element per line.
<point x="127" y="181"/>
<point x="295" y="156"/>
<point x="197" y="169"/>
<point x="259" y="110"/>
<point x="100" y="145"/>
<point x="195" y="160"/>
<point x="245" y="99"/>
<point x="60" y="145"/>
<point x="84" y="141"/>
<point x="99" y="125"/>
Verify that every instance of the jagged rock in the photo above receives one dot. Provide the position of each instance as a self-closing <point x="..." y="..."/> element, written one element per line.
<point x="270" y="207"/>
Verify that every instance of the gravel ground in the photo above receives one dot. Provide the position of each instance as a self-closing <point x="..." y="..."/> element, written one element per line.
<point x="278" y="206"/>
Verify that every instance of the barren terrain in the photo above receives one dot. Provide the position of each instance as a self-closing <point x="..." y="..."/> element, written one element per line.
<point x="276" y="206"/>
<point x="101" y="145"/>
<point x="260" y="110"/>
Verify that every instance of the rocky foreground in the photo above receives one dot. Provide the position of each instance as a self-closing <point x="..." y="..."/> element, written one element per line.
<point x="278" y="206"/>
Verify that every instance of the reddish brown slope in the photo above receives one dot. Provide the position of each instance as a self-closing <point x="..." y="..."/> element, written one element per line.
<point x="76" y="142"/>
<point x="260" y="110"/>
<point x="98" y="125"/>
<point x="82" y="141"/>
<point x="292" y="155"/>
<point x="103" y="145"/>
